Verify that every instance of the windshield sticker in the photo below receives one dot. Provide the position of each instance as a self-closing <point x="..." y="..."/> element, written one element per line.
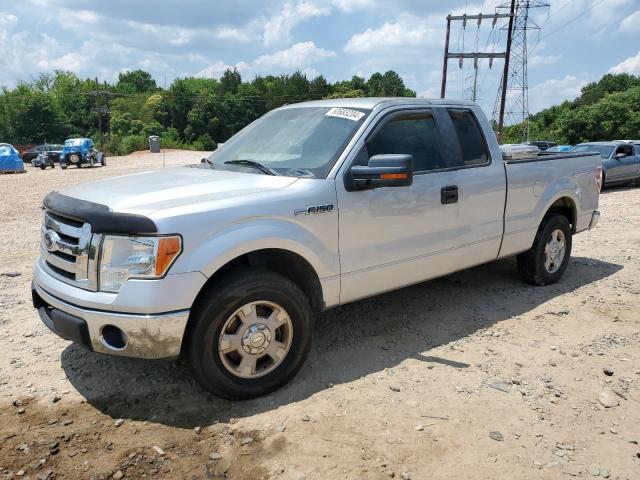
<point x="347" y="113"/>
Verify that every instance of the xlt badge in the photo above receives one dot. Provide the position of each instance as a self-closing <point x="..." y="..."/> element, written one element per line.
<point x="313" y="209"/>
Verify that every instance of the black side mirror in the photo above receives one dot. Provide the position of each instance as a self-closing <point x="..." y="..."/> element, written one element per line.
<point x="388" y="170"/>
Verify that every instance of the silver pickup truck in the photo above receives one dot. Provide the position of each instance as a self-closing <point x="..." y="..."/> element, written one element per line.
<point x="311" y="206"/>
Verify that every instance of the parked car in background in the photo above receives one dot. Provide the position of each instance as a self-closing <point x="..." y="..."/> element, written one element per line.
<point x="10" y="160"/>
<point x="559" y="148"/>
<point x="313" y="205"/>
<point x="620" y="160"/>
<point x="541" y="144"/>
<point x="53" y="150"/>
<point x="43" y="160"/>
<point x="81" y="151"/>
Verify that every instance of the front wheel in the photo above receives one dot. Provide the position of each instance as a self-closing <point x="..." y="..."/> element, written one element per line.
<point x="548" y="258"/>
<point x="251" y="334"/>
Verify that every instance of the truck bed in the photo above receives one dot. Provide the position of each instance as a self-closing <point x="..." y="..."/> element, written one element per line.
<point x="536" y="183"/>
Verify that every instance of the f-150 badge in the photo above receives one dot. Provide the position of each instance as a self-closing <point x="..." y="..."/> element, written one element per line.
<point x="314" y="209"/>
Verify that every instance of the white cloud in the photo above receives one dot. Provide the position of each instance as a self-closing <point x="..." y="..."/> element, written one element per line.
<point x="407" y="32"/>
<point x="299" y="56"/>
<point x="7" y="19"/>
<point x="355" y="5"/>
<point x="277" y="29"/>
<point x="538" y="60"/>
<point x="70" y="19"/>
<point x="631" y="23"/>
<point x="216" y="69"/>
<point x="553" y="91"/>
<point x="630" y="65"/>
<point x="233" y="34"/>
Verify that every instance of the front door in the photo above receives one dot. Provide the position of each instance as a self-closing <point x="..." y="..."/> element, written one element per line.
<point x="623" y="168"/>
<point x="448" y="219"/>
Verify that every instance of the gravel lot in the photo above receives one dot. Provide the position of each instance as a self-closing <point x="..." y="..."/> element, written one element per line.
<point x="475" y="375"/>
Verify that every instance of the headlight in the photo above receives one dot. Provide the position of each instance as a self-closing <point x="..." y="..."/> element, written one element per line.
<point x="122" y="258"/>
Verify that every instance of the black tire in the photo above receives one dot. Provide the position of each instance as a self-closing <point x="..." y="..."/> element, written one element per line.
<point x="217" y="304"/>
<point x="102" y="159"/>
<point x="42" y="166"/>
<point x="531" y="263"/>
<point x="63" y="165"/>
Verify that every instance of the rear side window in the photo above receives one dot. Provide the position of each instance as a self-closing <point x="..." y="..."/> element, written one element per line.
<point x="472" y="143"/>
<point x="412" y="134"/>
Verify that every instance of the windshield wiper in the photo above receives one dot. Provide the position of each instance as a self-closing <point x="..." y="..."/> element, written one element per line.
<point x="254" y="164"/>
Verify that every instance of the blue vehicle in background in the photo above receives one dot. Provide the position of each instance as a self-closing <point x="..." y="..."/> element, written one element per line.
<point x="560" y="148"/>
<point x="10" y="160"/>
<point x="620" y="161"/>
<point x="81" y="151"/>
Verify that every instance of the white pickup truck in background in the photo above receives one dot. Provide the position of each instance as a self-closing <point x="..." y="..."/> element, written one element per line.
<point x="311" y="206"/>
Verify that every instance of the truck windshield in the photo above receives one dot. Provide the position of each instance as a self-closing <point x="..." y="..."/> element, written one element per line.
<point x="299" y="141"/>
<point x="604" y="150"/>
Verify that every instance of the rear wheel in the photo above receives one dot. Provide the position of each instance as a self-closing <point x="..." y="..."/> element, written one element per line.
<point x="102" y="159"/>
<point x="42" y="166"/>
<point x="548" y="258"/>
<point x="251" y="334"/>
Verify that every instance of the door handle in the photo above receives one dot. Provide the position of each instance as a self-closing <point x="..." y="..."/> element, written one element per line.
<point x="449" y="194"/>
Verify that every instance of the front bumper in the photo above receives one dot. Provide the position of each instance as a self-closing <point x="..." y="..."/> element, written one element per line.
<point x="595" y="218"/>
<point x="142" y="336"/>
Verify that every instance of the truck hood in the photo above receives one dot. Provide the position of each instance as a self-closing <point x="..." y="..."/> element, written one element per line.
<point x="147" y="192"/>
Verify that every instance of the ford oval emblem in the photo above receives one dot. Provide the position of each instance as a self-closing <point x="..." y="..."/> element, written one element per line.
<point x="50" y="239"/>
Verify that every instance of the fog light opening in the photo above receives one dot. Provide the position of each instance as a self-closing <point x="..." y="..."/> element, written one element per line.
<point x="113" y="337"/>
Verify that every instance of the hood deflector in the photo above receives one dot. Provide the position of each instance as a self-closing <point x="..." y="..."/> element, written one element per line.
<point x="101" y="219"/>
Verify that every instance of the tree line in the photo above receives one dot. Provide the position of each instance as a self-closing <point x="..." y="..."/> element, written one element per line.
<point x="608" y="109"/>
<point x="191" y="112"/>
<point x="198" y="113"/>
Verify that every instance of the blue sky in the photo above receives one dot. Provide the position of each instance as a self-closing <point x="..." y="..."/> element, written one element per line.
<point x="337" y="38"/>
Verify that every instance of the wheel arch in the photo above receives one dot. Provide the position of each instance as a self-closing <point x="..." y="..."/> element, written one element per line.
<point x="566" y="206"/>
<point x="285" y="262"/>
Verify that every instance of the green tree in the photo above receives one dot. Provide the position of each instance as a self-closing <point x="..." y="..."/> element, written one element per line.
<point x="136" y="81"/>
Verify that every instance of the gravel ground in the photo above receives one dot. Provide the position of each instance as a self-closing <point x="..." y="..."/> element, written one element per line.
<point x="475" y="375"/>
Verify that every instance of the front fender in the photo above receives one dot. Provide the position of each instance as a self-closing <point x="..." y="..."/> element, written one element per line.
<point x="262" y="233"/>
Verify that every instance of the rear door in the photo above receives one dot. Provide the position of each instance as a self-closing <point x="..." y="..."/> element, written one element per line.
<point x="449" y="219"/>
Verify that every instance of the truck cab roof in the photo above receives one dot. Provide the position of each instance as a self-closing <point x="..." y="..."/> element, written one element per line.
<point x="372" y="102"/>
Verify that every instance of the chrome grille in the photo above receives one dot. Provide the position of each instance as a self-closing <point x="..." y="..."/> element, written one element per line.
<point x="69" y="250"/>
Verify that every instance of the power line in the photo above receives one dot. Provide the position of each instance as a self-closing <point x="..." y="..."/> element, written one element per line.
<point x="573" y="19"/>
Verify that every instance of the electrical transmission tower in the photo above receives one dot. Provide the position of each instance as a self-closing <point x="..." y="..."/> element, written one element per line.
<point x="514" y="97"/>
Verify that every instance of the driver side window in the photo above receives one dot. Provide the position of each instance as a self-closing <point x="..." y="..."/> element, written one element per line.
<point x="413" y="135"/>
<point x="626" y="149"/>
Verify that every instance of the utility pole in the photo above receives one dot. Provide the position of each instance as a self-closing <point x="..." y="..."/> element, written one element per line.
<point x="469" y="55"/>
<point x="505" y="75"/>
<point x="99" y="111"/>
